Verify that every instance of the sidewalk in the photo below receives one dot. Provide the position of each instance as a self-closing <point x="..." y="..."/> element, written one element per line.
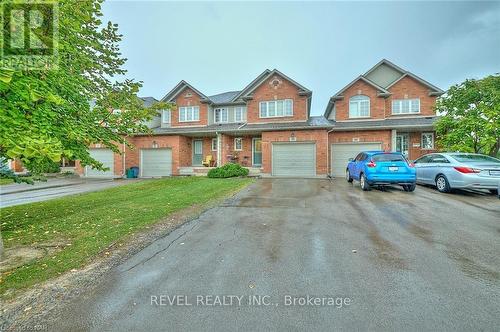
<point x="50" y="183"/>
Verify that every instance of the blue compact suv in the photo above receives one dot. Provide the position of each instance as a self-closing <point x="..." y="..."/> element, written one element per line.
<point x="379" y="168"/>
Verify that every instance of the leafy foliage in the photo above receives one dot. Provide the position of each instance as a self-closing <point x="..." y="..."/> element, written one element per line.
<point x="47" y="114"/>
<point x="228" y="171"/>
<point x="471" y="116"/>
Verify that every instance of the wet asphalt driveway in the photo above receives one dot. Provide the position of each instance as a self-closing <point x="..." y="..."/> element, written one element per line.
<point x="422" y="261"/>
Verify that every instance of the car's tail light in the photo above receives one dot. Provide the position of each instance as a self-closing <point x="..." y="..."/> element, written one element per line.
<point x="466" y="170"/>
<point x="371" y="164"/>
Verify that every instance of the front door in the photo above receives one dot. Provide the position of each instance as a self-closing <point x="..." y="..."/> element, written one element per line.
<point x="197" y="152"/>
<point x="256" y="152"/>
<point x="402" y="144"/>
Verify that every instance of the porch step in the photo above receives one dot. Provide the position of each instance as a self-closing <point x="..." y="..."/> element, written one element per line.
<point x="203" y="171"/>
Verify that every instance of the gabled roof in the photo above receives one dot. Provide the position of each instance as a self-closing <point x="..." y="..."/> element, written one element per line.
<point x="263" y="77"/>
<point x="434" y="89"/>
<point x="178" y="89"/>
<point x="398" y="74"/>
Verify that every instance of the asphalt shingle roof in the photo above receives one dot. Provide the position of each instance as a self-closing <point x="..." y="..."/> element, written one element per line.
<point x="148" y="101"/>
<point x="386" y="123"/>
<point x="225" y="97"/>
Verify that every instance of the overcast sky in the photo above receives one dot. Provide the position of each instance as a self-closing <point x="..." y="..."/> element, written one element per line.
<point x="222" y="46"/>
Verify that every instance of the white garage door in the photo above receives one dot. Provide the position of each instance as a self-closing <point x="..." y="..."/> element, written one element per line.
<point x="156" y="162"/>
<point x="106" y="157"/>
<point x="294" y="159"/>
<point x="342" y="152"/>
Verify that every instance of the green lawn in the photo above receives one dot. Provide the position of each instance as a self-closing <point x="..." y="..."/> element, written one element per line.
<point x="88" y="223"/>
<point x="6" y="181"/>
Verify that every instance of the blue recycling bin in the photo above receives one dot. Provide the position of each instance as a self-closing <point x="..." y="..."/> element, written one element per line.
<point x="135" y="171"/>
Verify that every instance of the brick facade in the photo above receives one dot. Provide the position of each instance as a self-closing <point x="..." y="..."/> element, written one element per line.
<point x="188" y="97"/>
<point x="284" y="90"/>
<point x="408" y="88"/>
<point x="362" y="136"/>
<point x="318" y="136"/>
<point x="377" y="104"/>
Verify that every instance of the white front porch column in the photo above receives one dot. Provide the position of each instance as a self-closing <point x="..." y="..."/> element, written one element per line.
<point x="393" y="140"/>
<point x="219" y="149"/>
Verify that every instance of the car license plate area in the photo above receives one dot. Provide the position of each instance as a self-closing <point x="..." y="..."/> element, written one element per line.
<point x="393" y="168"/>
<point x="495" y="173"/>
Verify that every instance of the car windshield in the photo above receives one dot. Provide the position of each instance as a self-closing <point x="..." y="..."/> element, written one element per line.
<point x="475" y="158"/>
<point x="388" y="157"/>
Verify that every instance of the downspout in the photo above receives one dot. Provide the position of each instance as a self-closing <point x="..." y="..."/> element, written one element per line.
<point x="328" y="173"/>
<point x="123" y="161"/>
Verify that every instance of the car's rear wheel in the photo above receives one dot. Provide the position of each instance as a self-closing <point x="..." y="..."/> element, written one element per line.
<point x="348" y="176"/>
<point x="442" y="184"/>
<point x="364" y="183"/>
<point x="409" y="187"/>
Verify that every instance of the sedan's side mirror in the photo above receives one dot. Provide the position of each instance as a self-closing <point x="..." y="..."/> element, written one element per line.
<point x="350" y="159"/>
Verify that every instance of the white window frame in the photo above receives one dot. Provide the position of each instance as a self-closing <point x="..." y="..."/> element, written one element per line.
<point x="166" y="116"/>
<point x="399" y="102"/>
<point x="240" y="140"/>
<point x="241" y="111"/>
<point x="274" y="104"/>
<point x="214" y="140"/>
<point x="356" y="100"/>
<point x="189" y="113"/>
<point x="221" y="111"/>
<point x="422" y="141"/>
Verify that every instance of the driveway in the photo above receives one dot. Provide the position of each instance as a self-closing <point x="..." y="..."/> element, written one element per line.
<point x="16" y="194"/>
<point x="422" y="261"/>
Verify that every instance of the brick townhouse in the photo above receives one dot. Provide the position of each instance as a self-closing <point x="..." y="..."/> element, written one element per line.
<point x="268" y="128"/>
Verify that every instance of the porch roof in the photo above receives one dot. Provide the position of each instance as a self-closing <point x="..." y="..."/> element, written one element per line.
<point x="315" y="122"/>
<point x="406" y="123"/>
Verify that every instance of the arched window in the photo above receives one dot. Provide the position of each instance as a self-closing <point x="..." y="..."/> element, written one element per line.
<point x="359" y="106"/>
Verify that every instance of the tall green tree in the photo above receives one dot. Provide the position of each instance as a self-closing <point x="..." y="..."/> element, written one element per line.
<point x="58" y="112"/>
<point x="470" y="119"/>
<point x="54" y="113"/>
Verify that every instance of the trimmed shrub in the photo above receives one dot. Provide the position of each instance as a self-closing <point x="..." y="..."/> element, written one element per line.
<point x="227" y="171"/>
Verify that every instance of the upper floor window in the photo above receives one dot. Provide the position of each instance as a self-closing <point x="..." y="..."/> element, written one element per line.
<point x="165" y="116"/>
<point x="276" y="108"/>
<point x="220" y="115"/>
<point x="189" y="113"/>
<point x="359" y="106"/>
<point x="239" y="114"/>
<point x="405" y="106"/>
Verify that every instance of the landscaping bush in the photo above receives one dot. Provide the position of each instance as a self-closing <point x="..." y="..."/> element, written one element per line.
<point x="227" y="171"/>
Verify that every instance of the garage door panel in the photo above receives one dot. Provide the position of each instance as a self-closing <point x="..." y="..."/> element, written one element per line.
<point x="340" y="154"/>
<point x="106" y="157"/>
<point x="294" y="159"/>
<point x="156" y="162"/>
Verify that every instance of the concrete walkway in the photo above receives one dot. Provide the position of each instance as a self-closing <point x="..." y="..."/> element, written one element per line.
<point x="16" y="194"/>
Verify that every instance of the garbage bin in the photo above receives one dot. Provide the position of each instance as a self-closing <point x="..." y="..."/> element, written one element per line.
<point x="130" y="173"/>
<point x="135" y="171"/>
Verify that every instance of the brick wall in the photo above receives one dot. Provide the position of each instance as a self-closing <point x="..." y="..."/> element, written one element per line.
<point x="377" y="104"/>
<point x="319" y="136"/>
<point x="417" y="152"/>
<point x="194" y="100"/>
<point x="383" y="136"/>
<point x="285" y="90"/>
<point x="409" y="88"/>
<point x="244" y="156"/>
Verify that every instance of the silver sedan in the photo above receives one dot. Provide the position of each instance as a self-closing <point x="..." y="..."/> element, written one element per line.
<point x="448" y="171"/>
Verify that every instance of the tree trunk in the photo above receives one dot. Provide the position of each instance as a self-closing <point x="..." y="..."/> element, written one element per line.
<point x="495" y="148"/>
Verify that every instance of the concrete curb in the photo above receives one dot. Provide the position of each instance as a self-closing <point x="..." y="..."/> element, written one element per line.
<point x="41" y="188"/>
